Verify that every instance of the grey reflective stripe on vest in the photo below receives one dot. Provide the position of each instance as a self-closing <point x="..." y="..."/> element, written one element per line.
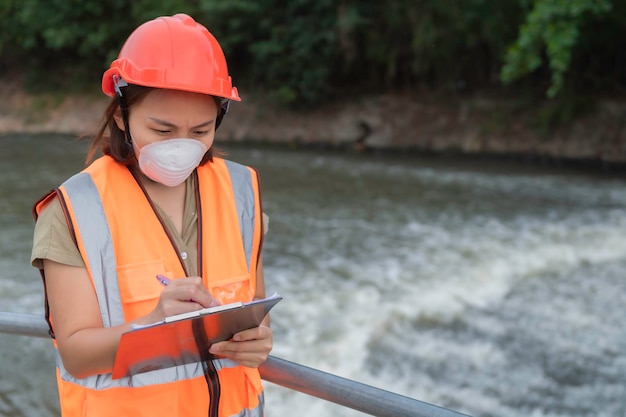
<point x="244" y="198"/>
<point x="104" y="381"/>
<point x="91" y="221"/>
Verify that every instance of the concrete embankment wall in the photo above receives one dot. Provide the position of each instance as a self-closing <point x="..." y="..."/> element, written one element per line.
<point x="471" y="125"/>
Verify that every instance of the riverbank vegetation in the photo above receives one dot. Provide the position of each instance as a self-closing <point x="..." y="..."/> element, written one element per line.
<point x="307" y="52"/>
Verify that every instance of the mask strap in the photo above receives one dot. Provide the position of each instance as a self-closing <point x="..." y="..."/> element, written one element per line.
<point x="118" y="83"/>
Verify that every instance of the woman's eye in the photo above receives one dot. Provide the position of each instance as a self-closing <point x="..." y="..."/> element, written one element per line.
<point x="200" y="132"/>
<point x="162" y="132"/>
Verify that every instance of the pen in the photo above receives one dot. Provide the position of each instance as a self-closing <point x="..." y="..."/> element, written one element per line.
<point x="165" y="281"/>
<point x="162" y="279"/>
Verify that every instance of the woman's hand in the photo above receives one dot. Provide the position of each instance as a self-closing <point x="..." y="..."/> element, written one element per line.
<point x="249" y="348"/>
<point x="182" y="295"/>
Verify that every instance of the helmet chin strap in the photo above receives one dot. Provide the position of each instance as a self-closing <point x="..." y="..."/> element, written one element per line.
<point x="118" y="83"/>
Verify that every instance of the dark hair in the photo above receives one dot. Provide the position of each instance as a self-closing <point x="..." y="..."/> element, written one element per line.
<point x="115" y="144"/>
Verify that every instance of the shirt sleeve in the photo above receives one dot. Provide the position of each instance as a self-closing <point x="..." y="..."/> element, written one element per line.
<point x="52" y="239"/>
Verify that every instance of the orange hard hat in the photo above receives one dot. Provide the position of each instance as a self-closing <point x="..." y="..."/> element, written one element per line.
<point x="173" y="52"/>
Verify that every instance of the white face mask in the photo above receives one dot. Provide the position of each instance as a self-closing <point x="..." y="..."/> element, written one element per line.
<point x="170" y="162"/>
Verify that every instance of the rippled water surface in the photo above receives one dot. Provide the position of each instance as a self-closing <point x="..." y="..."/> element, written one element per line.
<point x="489" y="288"/>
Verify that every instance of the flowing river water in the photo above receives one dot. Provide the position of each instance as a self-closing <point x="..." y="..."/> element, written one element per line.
<point x="490" y="288"/>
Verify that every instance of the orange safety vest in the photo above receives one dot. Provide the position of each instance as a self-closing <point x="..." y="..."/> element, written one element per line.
<point x="125" y="245"/>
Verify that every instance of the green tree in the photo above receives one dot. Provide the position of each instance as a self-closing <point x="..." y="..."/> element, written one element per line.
<point x="431" y="43"/>
<point x="306" y="52"/>
<point x="553" y="27"/>
<point x="284" y="48"/>
<point x="67" y="43"/>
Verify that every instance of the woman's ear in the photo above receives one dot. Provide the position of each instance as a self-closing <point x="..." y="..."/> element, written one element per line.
<point x="119" y="120"/>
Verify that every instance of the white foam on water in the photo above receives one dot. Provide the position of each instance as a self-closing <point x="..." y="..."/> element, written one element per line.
<point x="434" y="275"/>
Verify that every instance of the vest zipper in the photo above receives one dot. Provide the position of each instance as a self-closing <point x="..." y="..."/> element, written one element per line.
<point x="210" y="373"/>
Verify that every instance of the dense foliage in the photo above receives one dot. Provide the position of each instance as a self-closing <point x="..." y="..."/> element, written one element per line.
<point x="309" y="51"/>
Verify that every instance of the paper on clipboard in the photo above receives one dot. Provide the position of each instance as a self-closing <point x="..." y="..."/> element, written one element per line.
<point x="185" y="338"/>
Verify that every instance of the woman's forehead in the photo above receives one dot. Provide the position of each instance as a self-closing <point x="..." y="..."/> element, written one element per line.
<point x="173" y="102"/>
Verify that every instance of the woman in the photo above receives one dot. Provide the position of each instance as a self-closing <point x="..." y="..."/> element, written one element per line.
<point x="156" y="203"/>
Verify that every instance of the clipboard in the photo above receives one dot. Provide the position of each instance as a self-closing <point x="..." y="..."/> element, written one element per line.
<point x="185" y="338"/>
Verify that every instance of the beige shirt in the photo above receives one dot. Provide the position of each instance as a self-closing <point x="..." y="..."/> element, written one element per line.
<point x="52" y="239"/>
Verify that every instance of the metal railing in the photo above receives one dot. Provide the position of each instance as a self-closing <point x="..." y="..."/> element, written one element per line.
<point x="329" y="387"/>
